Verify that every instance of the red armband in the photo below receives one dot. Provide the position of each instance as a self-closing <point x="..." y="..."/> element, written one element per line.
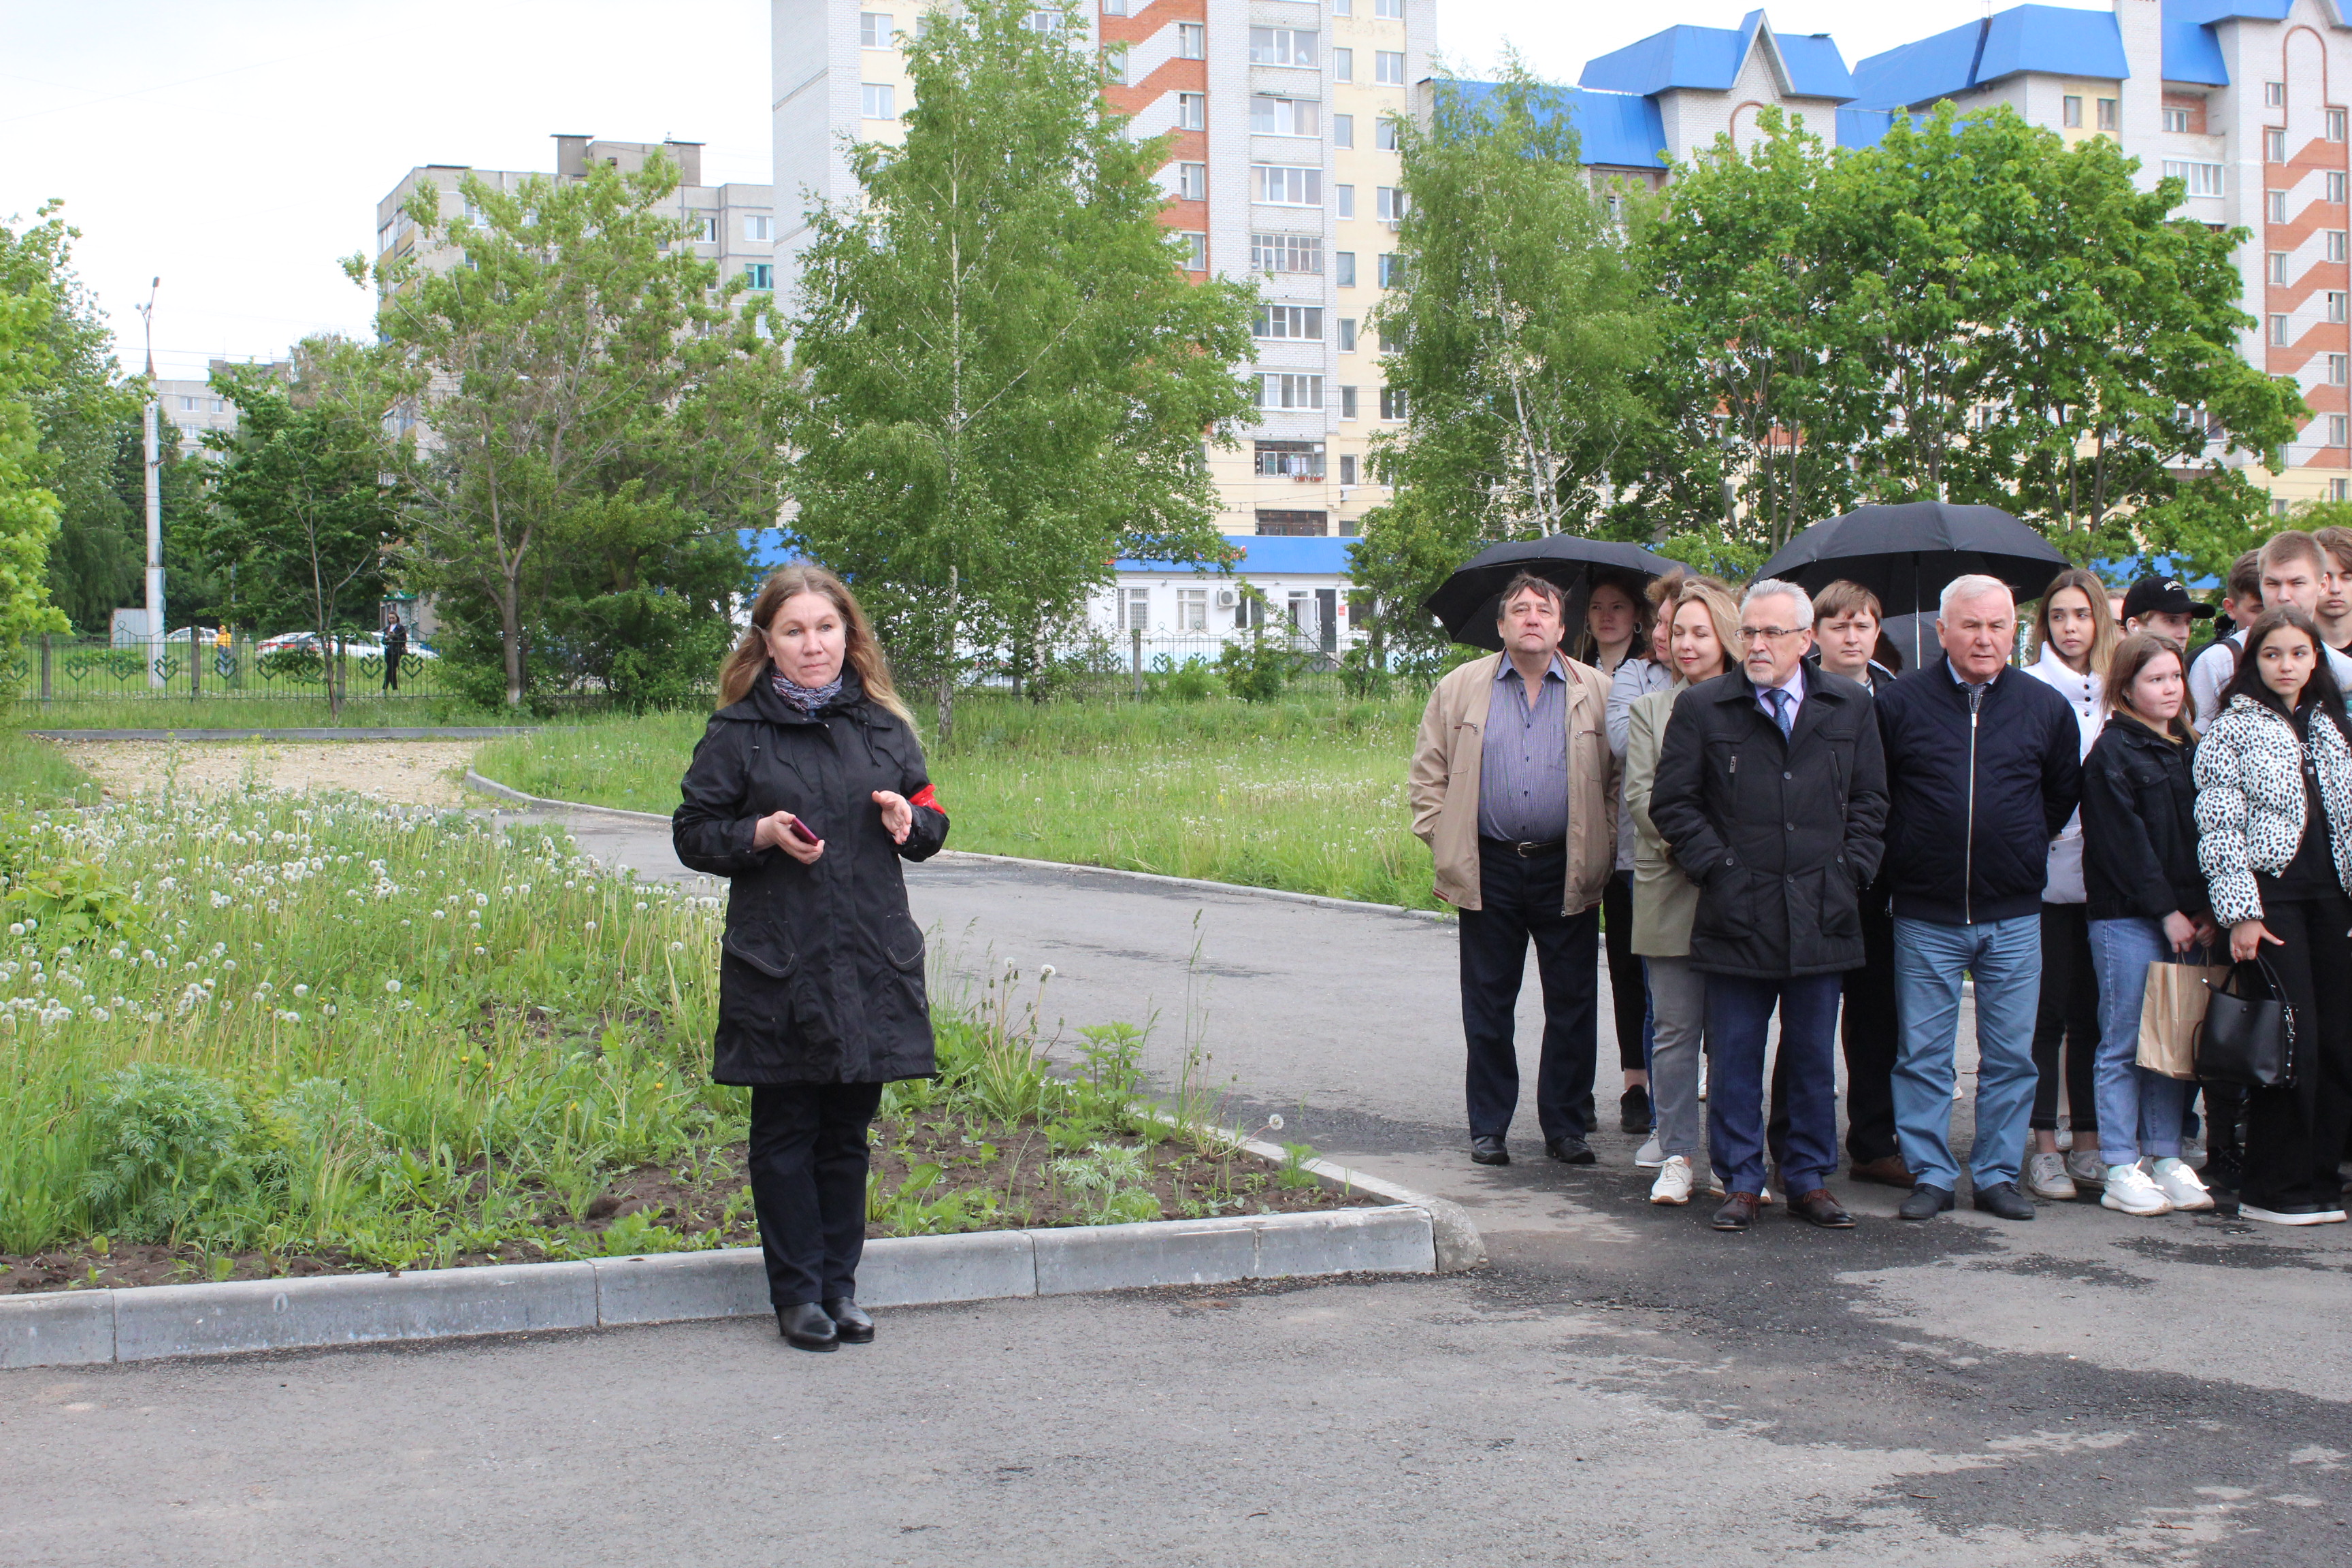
<point x="924" y="796"/>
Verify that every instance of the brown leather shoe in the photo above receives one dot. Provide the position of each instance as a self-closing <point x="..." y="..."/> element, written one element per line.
<point x="1888" y="1171"/>
<point x="1818" y="1207"/>
<point x="1738" y="1212"/>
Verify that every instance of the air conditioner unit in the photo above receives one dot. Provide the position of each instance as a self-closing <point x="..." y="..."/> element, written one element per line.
<point x="1225" y="598"/>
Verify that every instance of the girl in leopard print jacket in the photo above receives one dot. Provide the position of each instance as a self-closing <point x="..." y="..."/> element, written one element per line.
<point x="2251" y="800"/>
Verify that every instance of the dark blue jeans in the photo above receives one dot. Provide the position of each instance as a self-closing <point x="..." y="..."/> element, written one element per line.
<point x="1738" y="1016"/>
<point x="1522" y="900"/>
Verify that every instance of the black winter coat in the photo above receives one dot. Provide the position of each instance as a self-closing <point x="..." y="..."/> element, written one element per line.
<point x="821" y="967"/>
<point x="1976" y="798"/>
<point x="2139" y="825"/>
<point x="1781" y="834"/>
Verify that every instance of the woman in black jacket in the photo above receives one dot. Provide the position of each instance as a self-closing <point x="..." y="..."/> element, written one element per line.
<point x="805" y="793"/>
<point x="2146" y="905"/>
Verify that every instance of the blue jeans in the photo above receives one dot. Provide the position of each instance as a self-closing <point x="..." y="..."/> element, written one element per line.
<point x="2133" y="1101"/>
<point x="1738" y="1016"/>
<point x="2005" y="957"/>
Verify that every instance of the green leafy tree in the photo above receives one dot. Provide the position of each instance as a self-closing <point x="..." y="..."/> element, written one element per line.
<point x="57" y="373"/>
<point x="1518" y="337"/>
<point x="1008" y="378"/>
<point x="599" y="407"/>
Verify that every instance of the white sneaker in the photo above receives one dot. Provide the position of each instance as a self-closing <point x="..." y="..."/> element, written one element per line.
<point x="2046" y="1178"/>
<point x="1673" y="1183"/>
<point x="2178" y="1181"/>
<point x="2291" y="1216"/>
<point x="2084" y="1166"/>
<point x="1652" y="1156"/>
<point x="2130" y="1191"/>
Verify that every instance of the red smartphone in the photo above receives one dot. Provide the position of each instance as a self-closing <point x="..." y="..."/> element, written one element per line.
<point x="800" y="831"/>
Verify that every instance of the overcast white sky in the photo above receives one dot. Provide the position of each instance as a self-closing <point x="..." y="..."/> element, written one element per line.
<point x="239" y="147"/>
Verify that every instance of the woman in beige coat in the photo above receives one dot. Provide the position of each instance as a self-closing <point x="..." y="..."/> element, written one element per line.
<point x="1706" y="620"/>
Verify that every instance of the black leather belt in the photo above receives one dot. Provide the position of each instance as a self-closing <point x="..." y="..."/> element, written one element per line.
<point x="1525" y="850"/>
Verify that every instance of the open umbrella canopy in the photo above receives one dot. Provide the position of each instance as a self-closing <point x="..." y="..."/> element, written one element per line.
<point x="1467" y="602"/>
<point x="1905" y="554"/>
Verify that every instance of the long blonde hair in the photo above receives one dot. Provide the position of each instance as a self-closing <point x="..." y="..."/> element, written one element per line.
<point x="740" y="670"/>
<point x="2104" y="633"/>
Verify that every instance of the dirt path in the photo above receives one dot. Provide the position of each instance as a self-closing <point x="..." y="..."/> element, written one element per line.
<point x="414" y="773"/>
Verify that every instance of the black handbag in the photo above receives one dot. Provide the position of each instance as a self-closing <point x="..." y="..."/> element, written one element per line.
<point x="2248" y="1039"/>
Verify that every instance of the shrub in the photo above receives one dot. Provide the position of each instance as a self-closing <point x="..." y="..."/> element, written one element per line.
<point x="1256" y="667"/>
<point x="162" y="1139"/>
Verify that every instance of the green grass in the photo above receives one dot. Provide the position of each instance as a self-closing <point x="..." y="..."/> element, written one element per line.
<point x="253" y="713"/>
<point x="36" y="773"/>
<point x="1306" y="794"/>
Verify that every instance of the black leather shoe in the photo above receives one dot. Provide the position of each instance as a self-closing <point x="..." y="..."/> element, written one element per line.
<point x="850" y="1323"/>
<point x="1818" y="1207"/>
<point x="2003" y="1199"/>
<point x="807" y="1327"/>
<point x="1925" y="1202"/>
<point x="1634" y="1110"/>
<point x="1570" y="1150"/>
<point x="1739" y="1211"/>
<point x="1489" y="1152"/>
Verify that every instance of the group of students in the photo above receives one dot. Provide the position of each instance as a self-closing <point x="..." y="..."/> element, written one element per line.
<point x="2047" y="831"/>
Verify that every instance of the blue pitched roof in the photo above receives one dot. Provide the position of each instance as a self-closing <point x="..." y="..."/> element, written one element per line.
<point x="1615" y="130"/>
<point x="1709" y="58"/>
<point x="2051" y="38"/>
<point x="1269" y="554"/>
<point x="2192" y="53"/>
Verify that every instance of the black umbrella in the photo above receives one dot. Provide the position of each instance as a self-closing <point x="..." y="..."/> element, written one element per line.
<point x="1467" y="601"/>
<point x="1906" y="553"/>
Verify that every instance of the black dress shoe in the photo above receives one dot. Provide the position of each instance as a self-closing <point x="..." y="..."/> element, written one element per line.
<point x="2003" y="1199"/>
<point x="850" y="1323"/>
<point x="1634" y="1110"/>
<point x="1818" y="1207"/>
<point x="807" y="1327"/>
<point x="1570" y="1150"/>
<point x="1489" y="1152"/>
<point x="1739" y="1211"/>
<point x="1925" y="1202"/>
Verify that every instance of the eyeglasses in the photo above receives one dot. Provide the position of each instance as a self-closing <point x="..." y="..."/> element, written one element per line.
<point x="1770" y="634"/>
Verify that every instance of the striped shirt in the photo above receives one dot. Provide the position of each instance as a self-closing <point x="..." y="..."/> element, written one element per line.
<point x="1523" y="764"/>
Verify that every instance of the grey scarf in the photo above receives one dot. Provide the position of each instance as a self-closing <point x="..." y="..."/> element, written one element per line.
<point x="807" y="699"/>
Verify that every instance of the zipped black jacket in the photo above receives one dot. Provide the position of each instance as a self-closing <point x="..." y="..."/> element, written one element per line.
<point x="821" y="967"/>
<point x="1779" y="834"/>
<point x="2139" y="825"/>
<point x="1978" y="791"/>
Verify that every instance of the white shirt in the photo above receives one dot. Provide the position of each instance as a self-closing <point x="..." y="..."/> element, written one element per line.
<point x="1794" y="686"/>
<point x="2063" y="880"/>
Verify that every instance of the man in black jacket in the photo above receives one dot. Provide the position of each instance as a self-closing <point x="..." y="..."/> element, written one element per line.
<point x="1983" y="765"/>
<point x="1771" y="790"/>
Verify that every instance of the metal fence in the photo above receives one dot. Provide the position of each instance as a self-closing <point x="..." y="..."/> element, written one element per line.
<point x="51" y="670"/>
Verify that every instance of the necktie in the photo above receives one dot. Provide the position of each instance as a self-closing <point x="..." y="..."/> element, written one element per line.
<point x="1780" y="709"/>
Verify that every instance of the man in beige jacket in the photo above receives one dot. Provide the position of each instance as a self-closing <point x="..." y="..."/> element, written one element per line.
<point x="1515" y="791"/>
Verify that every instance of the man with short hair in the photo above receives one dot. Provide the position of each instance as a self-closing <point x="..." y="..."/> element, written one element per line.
<point x="1781" y="849"/>
<point x="1514" y="789"/>
<point x="1984" y="767"/>
<point x="2161" y="604"/>
<point x="2289" y="568"/>
<point x="2332" y="612"/>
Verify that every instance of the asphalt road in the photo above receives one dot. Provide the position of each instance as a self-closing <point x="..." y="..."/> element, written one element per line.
<point x="1620" y="1385"/>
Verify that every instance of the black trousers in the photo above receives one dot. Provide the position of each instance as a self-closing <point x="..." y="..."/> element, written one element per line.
<point x="392" y="671"/>
<point x="1522" y="900"/>
<point x="1869" y="1035"/>
<point x="808" y="1186"/>
<point x="2068" y="1016"/>
<point x="1629" y="992"/>
<point x="2294" y="1135"/>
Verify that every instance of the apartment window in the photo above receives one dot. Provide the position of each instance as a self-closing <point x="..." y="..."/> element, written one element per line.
<point x="2339" y="430"/>
<point x="1272" y="116"/>
<point x="1306" y="524"/>
<point x="1134" y="609"/>
<point x="2274" y="94"/>
<point x="1346" y="403"/>
<point x="1287" y="184"/>
<point x="757" y="225"/>
<point x="1391" y="269"/>
<point x="1343" y="131"/>
<point x="1384" y="136"/>
<point x="1281" y="46"/>
<point x="1290" y="460"/>
<point x="874" y="30"/>
<point x="1388" y="67"/>
<point x="1304" y="322"/>
<point x="2278" y="507"/>
<point x="1347" y="468"/>
<point x="760" y="274"/>
<point x="2200" y="179"/>
<point x="2110" y="116"/>
<point x="1343" y="8"/>
<point x="2335" y="305"/>
<point x="2177" y="120"/>
<point x="2339" y="490"/>
<point x="1282" y="389"/>
<point x="1191" y="604"/>
<point x="2339" y="369"/>
<point x="2337" y="248"/>
<point x="1196" y="249"/>
<point x="2336" y="188"/>
<point x="2275" y="206"/>
<point x="704" y="228"/>
<point x="1347" y="334"/>
<point x="1388" y="204"/>
<point x="2275" y="146"/>
<point x="1114" y="8"/>
<point x="1192" y="111"/>
<point x="2336" y="125"/>
<point x="1047" y="21"/>
<point x="1343" y="65"/>
<point x="1393" y="9"/>
<point x="1393" y="402"/>
<point x="1192" y="182"/>
<point x="1343" y="199"/>
<point x="2070" y="112"/>
<point x="2278" y="332"/>
<point x="1114" y="60"/>
<point x="187" y="404"/>
<point x="2278" y="266"/>
<point x="878" y="100"/>
<point x="1343" y="268"/>
<point x="1191" y="40"/>
<point x="1286" y="253"/>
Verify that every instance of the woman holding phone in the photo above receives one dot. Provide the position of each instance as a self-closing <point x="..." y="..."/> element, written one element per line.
<point x="805" y="793"/>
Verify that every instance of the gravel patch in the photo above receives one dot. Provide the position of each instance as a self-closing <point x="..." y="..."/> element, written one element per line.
<point x="412" y="772"/>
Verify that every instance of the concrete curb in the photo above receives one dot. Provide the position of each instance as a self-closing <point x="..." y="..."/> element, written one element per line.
<point x="476" y="782"/>
<point x="79" y="1328"/>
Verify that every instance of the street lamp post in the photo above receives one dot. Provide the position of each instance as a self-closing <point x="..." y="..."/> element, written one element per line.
<point x="155" y="644"/>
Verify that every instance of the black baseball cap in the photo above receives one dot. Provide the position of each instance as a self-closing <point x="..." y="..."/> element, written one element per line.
<point x="2162" y="596"/>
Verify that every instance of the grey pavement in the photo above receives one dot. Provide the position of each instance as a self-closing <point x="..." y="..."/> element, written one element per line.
<point x="1620" y="1386"/>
